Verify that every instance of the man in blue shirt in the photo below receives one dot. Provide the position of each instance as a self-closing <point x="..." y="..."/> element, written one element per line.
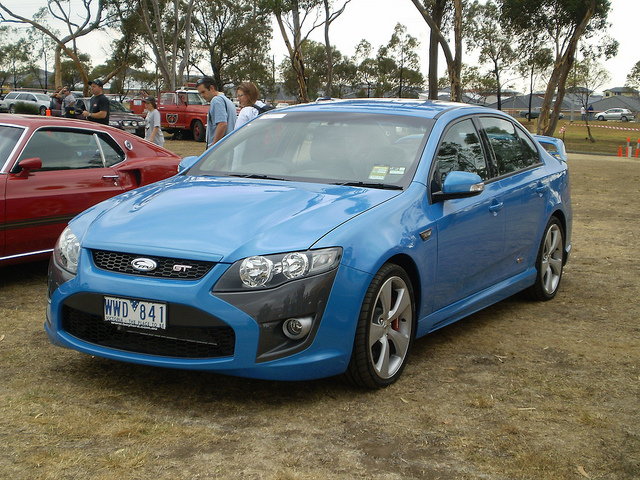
<point x="221" y="118"/>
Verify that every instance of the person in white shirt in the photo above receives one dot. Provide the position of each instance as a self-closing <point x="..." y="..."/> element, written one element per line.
<point x="152" y="128"/>
<point x="248" y="97"/>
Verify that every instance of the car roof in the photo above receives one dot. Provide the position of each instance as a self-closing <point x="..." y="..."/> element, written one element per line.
<point x="37" y="121"/>
<point x="398" y="106"/>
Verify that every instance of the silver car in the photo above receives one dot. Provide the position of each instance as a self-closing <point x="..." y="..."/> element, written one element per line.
<point x="621" y="114"/>
<point x="40" y="100"/>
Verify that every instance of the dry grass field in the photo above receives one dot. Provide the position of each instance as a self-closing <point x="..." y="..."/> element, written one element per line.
<point x="521" y="390"/>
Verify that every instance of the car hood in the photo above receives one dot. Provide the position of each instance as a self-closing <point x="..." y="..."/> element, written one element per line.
<point x="222" y="218"/>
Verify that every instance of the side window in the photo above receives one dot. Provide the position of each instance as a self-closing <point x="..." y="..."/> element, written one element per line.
<point x="512" y="150"/>
<point x="459" y="150"/>
<point x="529" y="150"/>
<point x="9" y="137"/>
<point x="111" y="151"/>
<point x="168" y="98"/>
<point x="194" y="99"/>
<point x="64" y="150"/>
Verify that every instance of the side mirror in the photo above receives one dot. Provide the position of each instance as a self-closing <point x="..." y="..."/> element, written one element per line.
<point x="27" y="165"/>
<point x="187" y="162"/>
<point x="460" y="185"/>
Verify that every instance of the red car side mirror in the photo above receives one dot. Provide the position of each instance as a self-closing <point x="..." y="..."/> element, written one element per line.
<point x="27" y="165"/>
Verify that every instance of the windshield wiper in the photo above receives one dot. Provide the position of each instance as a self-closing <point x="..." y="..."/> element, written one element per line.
<point x="384" y="186"/>
<point x="258" y="176"/>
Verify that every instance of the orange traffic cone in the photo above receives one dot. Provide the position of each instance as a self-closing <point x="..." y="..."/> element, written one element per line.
<point x="48" y="112"/>
<point x="637" y="150"/>
<point x="620" y="151"/>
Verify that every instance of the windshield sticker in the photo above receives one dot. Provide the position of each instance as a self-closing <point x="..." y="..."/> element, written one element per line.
<point x="396" y="170"/>
<point x="379" y="172"/>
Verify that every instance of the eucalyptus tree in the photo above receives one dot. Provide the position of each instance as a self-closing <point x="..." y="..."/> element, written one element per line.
<point x="329" y="18"/>
<point x="441" y="11"/>
<point x="454" y="60"/>
<point x="316" y="70"/>
<point x="167" y="26"/>
<point x="493" y="43"/>
<point x="535" y="61"/>
<point x="79" y="21"/>
<point x="233" y="38"/>
<point x="366" y="67"/>
<point x="296" y="19"/>
<point x="14" y="59"/>
<point x="399" y="65"/>
<point x="563" y="23"/>
<point x="633" y="78"/>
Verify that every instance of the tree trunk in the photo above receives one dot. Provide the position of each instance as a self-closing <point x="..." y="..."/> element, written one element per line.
<point x="438" y="13"/>
<point x="327" y="90"/>
<point x="454" y="66"/>
<point x="548" y="123"/>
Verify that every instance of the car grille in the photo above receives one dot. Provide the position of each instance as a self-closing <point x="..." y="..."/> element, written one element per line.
<point x="174" y="341"/>
<point x="167" y="267"/>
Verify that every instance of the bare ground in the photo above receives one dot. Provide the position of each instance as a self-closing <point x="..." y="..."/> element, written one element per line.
<point x="521" y="390"/>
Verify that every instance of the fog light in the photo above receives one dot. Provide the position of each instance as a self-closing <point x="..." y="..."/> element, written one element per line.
<point x="297" y="328"/>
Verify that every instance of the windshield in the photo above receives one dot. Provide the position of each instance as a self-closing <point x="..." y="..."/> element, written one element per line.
<point x="329" y="147"/>
<point x="118" y="107"/>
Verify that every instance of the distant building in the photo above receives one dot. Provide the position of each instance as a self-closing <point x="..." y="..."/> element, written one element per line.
<point x="621" y="91"/>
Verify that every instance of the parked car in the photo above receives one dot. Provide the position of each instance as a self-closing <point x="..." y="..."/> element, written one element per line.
<point x="621" y="114"/>
<point x="535" y="113"/>
<point x="53" y="168"/>
<point x="316" y="240"/>
<point x="38" y="100"/>
<point x="119" y="116"/>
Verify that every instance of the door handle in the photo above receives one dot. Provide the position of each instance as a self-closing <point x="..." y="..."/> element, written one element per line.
<point x="115" y="178"/>
<point x="540" y="189"/>
<point x="495" y="208"/>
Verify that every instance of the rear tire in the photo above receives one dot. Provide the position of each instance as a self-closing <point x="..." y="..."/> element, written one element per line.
<point x="198" y="131"/>
<point x="385" y="331"/>
<point x="43" y="111"/>
<point x="549" y="263"/>
<point x="12" y="109"/>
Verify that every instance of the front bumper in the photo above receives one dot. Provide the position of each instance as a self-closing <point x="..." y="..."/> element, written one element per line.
<point x="235" y="333"/>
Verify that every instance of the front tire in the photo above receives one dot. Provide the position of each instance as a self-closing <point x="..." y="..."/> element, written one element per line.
<point x="549" y="263"/>
<point x="12" y="109"/>
<point x="385" y="331"/>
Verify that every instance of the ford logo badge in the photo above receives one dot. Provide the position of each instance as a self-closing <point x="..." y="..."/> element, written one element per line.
<point x="143" y="264"/>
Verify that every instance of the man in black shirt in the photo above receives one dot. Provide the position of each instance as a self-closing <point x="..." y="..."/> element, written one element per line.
<point x="99" y="109"/>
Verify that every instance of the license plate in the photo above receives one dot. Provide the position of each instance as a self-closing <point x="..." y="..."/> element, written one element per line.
<point x="135" y="313"/>
<point x="130" y="130"/>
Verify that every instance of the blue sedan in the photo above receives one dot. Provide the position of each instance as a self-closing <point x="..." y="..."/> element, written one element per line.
<point x="315" y="241"/>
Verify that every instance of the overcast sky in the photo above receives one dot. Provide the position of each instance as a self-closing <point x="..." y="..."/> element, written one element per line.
<point x="374" y="20"/>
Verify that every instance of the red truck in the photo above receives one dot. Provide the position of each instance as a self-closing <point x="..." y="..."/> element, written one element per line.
<point x="180" y="111"/>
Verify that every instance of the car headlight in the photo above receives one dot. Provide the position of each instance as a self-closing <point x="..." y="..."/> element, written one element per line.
<point x="114" y="123"/>
<point x="270" y="271"/>
<point x="67" y="251"/>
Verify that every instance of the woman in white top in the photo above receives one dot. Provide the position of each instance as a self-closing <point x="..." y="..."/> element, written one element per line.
<point x="152" y="127"/>
<point x="248" y="97"/>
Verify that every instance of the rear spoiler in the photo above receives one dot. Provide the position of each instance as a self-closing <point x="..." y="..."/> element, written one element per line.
<point x="553" y="145"/>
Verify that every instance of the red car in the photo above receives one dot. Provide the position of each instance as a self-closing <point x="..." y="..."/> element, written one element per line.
<point x="51" y="169"/>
